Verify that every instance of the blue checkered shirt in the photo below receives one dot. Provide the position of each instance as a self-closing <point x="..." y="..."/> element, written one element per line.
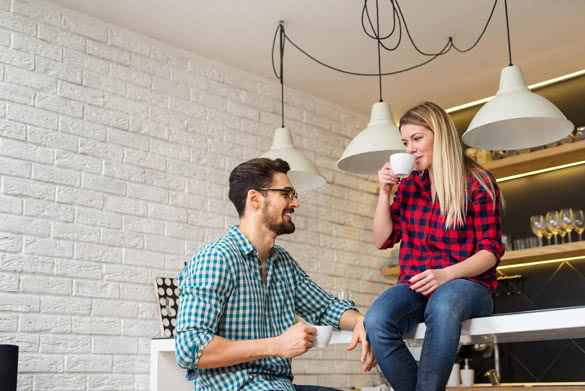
<point x="222" y="293"/>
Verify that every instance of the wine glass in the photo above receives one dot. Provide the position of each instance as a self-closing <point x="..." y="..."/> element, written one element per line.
<point x="552" y="223"/>
<point x="579" y="221"/>
<point x="562" y="226"/>
<point x="567" y="221"/>
<point x="537" y="227"/>
<point x="547" y="234"/>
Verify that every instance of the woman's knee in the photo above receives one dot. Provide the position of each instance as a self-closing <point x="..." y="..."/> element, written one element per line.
<point x="380" y="318"/>
<point x="457" y="301"/>
<point x="377" y="317"/>
<point x="443" y="312"/>
<point x="393" y="312"/>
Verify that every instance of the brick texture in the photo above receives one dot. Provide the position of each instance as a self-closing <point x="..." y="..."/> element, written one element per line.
<point x="115" y="150"/>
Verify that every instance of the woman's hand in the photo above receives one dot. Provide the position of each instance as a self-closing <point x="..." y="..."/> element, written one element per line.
<point x="428" y="281"/>
<point x="387" y="178"/>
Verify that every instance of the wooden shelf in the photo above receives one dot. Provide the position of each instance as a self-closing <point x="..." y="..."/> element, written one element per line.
<point x="523" y="386"/>
<point x="516" y="257"/>
<point x="390" y="271"/>
<point x="544" y="253"/>
<point x="537" y="160"/>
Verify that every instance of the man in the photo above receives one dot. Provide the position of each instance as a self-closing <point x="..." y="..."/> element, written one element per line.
<point x="240" y="294"/>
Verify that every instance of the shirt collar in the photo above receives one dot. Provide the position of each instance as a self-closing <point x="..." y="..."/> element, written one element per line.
<point x="422" y="179"/>
<point x="244" y="244"/>
<point x="246" y="247"/>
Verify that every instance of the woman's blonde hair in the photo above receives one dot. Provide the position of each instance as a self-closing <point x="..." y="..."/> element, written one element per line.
<point x="450" y="167"/>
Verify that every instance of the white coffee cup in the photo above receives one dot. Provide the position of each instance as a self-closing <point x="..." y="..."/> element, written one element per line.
<point x="402" y="164"/>
<point x="323" y="336"/>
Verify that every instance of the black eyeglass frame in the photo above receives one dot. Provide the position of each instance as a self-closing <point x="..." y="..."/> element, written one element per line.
<point x="289" y="192"/>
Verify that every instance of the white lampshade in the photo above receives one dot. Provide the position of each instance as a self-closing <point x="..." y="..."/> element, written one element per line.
<point x="303" y="174"/>
<point x="371" y="148"/>
<point x="516" y="118"/>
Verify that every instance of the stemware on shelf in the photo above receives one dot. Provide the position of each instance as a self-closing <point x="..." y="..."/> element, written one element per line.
<point x="579" y="221"/>
<point x="567" y="221"/>
<point x="548" y="235"/>
<point x="552" y="224"/>
<point x="537" y="227"/>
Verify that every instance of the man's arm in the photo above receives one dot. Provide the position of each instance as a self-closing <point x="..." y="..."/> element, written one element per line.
<point x="221" y="352"/>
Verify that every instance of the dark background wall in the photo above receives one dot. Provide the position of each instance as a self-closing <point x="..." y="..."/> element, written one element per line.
<point x="542" y="286"/>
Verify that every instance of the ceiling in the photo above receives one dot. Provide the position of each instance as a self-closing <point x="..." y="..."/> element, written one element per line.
<point x="547" y="42"/>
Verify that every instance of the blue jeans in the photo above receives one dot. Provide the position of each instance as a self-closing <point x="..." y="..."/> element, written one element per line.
<point x="314" y="388"/>
<point x="399" y="309"/>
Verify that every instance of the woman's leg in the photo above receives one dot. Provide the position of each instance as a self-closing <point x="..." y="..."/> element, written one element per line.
<point x="448" y="306"/>
<point x="391" y="315"/>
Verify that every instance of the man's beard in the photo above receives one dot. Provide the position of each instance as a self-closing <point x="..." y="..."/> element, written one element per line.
<point x="282" y="228"/>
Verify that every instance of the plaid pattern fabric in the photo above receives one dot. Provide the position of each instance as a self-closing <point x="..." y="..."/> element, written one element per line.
<point x="426" y="244"/>
<point x="222" y="293"/>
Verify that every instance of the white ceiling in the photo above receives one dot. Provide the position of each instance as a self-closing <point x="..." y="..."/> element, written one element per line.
<point x="547" y="41"/>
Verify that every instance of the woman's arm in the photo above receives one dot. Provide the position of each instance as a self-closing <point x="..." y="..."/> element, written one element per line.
<point x="473" y="266"/>
<point x="429" y="280"/>
<point x="382" y="220"/>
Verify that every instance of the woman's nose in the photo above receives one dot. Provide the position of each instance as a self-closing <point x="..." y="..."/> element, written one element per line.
<point x="410" y="148"/>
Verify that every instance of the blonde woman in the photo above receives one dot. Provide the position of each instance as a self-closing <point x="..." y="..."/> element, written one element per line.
<point x="446" y="215"/>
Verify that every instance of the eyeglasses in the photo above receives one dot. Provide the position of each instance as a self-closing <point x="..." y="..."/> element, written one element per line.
<point x="289" y="192"/>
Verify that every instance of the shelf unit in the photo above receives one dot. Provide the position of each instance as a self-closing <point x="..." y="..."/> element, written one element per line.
<point x="545" y="253"/>
<point x="537" y="160"/>
<point x="523" y="386"/>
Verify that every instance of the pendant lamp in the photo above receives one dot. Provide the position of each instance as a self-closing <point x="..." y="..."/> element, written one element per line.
<point x="516" y="118"/>
<point x="303" y="174"/>
<point x="372" y="147"/>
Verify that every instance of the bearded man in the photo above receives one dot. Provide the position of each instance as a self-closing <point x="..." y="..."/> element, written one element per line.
<point x="239" y="295"/>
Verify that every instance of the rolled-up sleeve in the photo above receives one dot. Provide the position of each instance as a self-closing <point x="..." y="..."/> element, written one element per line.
<point x="204" y="286"/>
<point x="315" y="305"/>
<point x="487" y="222"/>
<point x="396" y="235"/>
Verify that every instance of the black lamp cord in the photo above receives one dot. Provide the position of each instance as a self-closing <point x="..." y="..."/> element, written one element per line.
<point x="280" y="76"/>
<point x="281" y="25"/>
<point x="508" y="31"/>
<point x="379" y="58"/>
<point x="398" y="21"/>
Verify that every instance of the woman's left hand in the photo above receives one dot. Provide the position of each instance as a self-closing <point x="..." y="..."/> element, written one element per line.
<point x="429" y="280"/>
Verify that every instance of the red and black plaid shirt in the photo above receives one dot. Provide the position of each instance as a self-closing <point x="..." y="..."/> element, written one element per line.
<point x="426" y="244"/>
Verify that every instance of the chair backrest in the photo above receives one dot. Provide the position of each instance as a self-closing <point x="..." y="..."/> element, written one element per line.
<point x="166" y="291"/>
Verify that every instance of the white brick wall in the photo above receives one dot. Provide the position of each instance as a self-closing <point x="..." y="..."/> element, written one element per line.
<point x="115" y="151"/>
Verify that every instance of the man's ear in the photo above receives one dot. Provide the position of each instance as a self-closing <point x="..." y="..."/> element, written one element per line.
<point x="254" y="199"/>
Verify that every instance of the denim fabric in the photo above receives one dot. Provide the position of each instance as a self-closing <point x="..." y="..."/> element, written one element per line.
<point x="314" y="388"/>
<point x="399" y="309"/>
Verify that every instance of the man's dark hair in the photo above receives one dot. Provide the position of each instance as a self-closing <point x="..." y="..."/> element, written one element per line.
<point x="253" y="174"/>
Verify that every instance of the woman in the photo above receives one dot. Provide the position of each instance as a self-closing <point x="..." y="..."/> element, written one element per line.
<point x="447" y="215"/>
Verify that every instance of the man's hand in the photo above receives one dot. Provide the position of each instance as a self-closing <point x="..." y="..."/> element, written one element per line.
<point x="296" y="340"/>
<point x="359" y="336"/>
<point x="428" y="281"/>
